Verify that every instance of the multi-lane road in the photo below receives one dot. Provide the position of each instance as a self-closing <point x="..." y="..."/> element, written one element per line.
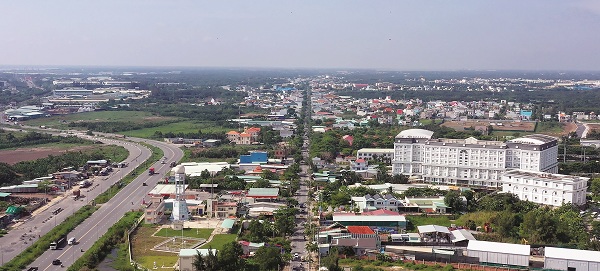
<point x="130" y="197"/>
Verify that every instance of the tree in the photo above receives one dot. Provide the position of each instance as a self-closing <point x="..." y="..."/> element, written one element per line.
<point x="230" y="257"/>
<point x="454" y="200"/>
<point x="285" y="220"/>
<point x="268" y="258"/>
<point x="507" y="224"/>
<point x="206" y="263"/>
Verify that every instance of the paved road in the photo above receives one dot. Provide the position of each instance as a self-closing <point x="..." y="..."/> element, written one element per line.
<point x="298" y="238"/>
<point x="95" y="226"/>
<point x="18" y="239"/>
<point x="581" y="130"/>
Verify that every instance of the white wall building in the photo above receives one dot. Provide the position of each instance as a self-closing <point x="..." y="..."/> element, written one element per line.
<point x="545" y="188"/>
<point x="571" y="259"/>
<point x="499" y="253"/>
<point x="368" y="153"/>
<point x="470" y="161"/>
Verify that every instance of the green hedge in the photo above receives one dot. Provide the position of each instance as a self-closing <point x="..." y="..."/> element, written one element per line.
<point x="41" y="245"/>
<point x="116" y="235"/>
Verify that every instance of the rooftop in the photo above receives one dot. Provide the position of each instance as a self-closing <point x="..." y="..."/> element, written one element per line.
<point x="415" y="133"/>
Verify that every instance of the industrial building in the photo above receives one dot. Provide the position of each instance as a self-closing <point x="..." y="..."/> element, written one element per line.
<point x="571" y="259"/>
<point x="470" y="161"/>
<point x="545" y="188"/>
<point x="512" y="255"/>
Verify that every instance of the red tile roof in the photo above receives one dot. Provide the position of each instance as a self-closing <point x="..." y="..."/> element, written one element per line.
<point x="360" y="230"/>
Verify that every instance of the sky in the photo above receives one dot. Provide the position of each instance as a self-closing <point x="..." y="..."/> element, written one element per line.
<point x="369" y="34"/>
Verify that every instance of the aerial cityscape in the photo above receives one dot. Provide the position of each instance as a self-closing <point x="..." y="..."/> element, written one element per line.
<point x="334" y="136"/>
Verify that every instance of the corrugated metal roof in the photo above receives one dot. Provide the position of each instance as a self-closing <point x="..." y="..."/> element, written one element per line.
<point x="461" y="235"/>
<point x="338" y="218"/>
<point x="263" y="192"/>
<point x="4" y="195"/>
<point x="572" y="254"/>
<point x="227" y="223"/>
<point x="505" y="248"/>
<point x="432" y="228"/>
<point x="194" y="252"/>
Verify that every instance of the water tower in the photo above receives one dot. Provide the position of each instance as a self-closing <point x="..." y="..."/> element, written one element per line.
<point x="180" y="209"/>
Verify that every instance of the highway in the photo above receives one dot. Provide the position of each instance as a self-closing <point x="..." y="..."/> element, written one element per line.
<point x="130" y="197"/>
<point x="18" y="239"/>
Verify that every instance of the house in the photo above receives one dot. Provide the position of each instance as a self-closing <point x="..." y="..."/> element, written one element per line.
<point x="220" y="209"/>
<point x="375" y="202"/>
<point x="359" y="164"/>
<point x="188" y="256"/>
<point x="155" y="210"/>
<point x="247" y="137"/>
<point x="348" y="138"/>
<point x="250" y="248"/>
<point x="425" y="205"/>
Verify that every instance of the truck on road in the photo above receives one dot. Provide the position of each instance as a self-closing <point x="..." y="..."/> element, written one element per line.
<point x="151" y="171"/>
<point x="76" y="194"/>
<point x="59" y="243"/>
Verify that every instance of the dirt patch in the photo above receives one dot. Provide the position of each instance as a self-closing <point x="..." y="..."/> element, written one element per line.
<point x="12" y="157"/>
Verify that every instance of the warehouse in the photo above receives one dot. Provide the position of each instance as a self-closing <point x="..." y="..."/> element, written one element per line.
<point x="493" y="253"/>
<point x="571" y="259"/>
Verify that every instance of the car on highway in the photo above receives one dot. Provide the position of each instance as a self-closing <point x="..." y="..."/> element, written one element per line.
<point x="56" y="262"/>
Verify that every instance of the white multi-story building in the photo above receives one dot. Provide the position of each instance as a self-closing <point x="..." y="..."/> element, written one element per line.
<point x="545" y="188"/>
<point x="470" y="161"/>
<point x="370" y="153"/>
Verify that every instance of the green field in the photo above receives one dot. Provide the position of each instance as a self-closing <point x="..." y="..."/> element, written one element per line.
<point x="194" y="233"/>
<point x="187" y="126"/>
<point x="549" y="127"/>
<point x="219" y="240"/>
<point x="61" y="122"/>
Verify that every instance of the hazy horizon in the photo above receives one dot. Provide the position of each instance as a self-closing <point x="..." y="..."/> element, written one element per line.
<point x="536" y="35"/>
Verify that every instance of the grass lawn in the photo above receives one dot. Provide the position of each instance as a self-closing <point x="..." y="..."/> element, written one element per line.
<point x="219" y="240"/>
<point x="61" y="122"/>
<point x="428" y="220"/>
<point x="187" y="126"/>
<point x="142" y="242"/>
<point x="550" y="127"/>
<point x="194" y="233"/>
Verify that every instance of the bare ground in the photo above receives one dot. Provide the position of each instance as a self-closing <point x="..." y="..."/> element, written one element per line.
<point x="12" y="157"/>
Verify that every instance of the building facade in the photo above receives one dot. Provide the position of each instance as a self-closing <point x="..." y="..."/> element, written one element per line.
<point x="545" y="188"/>
<point x="370" y="153"/>
<point x="470" y="162"/>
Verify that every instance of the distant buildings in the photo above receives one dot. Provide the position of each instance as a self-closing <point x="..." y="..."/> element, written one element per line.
<point x="247" y="137"/>
<point x="470" y="161"/>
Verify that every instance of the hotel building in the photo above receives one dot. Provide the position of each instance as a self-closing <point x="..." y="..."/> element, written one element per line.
<point x="470" y="162"/>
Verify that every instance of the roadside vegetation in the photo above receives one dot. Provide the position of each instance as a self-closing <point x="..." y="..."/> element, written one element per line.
<point x="27" y="170"/>
<point x="19" y="139"/>
<point x="117" y="234"/>
<point x="43" y="243"/>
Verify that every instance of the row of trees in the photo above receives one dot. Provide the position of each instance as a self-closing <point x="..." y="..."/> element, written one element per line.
<point x="10" y="140"/>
